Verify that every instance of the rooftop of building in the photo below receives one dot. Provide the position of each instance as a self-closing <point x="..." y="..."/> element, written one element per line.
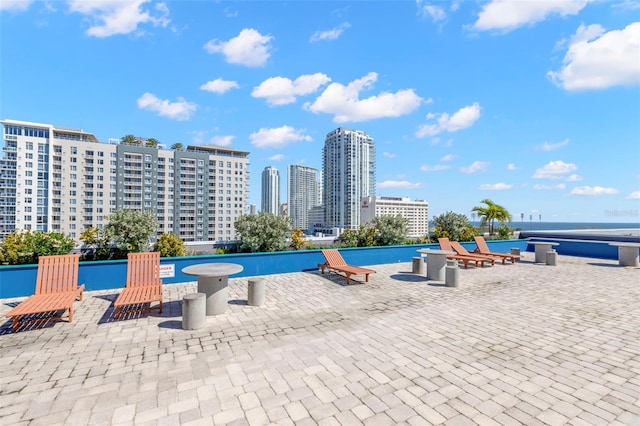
<point x="513" y="344"/>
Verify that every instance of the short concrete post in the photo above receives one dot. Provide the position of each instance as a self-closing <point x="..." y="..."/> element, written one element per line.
<point x="552" y="257"/>
<point x="452" y="273"/>
<point x="515" y="250"/>
<point x="419" y="266"/>
<point x="194" y="311"/>
<point x="256" y="292"/>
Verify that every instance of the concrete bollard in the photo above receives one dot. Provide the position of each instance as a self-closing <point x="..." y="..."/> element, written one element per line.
<point x="194" y="311"/>
<point x="256" y="292"/>
<point x="419" y="266"/>
<point x="552" y="257"/>
<point x="452" y="273"/>
<point x="515" y="250"/>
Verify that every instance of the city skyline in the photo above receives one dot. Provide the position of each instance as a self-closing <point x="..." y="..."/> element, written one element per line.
<point x="531" y="104"/>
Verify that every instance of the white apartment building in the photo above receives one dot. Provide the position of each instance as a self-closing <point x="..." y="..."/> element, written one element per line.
<point x="416" y="212"/>
<point x="64" y="180"/>
<point x="349" y="174"/>
<point x="304" y="191"/>
<point x="270" y="196"/>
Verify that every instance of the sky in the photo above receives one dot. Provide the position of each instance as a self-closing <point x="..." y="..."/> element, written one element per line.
<point x="534" y="105"/>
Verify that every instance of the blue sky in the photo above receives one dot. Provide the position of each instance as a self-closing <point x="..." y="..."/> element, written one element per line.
<point x="532" y="104"/>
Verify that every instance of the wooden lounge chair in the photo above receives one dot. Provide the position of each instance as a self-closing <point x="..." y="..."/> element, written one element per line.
<point x="334" y="261"/>
<point x="56" y="289"/>
<point x="460" y="250"/>
<point x="445" y="244"/>
<point x="143" y="283"/>
<point x="483" y="248"/>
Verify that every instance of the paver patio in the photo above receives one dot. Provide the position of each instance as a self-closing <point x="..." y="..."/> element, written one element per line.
<point x="514" y="344"/>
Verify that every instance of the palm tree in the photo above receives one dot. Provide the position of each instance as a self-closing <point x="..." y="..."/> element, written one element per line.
<point x="129" y="139"/>
<point x="152" y="142"/>
<point x="491" y="213"/>
<point x="177" y="146"/>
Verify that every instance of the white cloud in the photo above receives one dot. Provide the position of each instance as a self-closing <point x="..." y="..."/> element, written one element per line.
<point x="540" y="187"/>
<point x="398" y="184"/>
<point x="511" y="166"/>
<point x="496" y="186"/>
<point x="222" y="140"/>
<point x="15" y="5"/>
<point x="574" y="178"/>
<point x="329" y="35"/>
<point x="219" y="86"/>
<point x="278" y="137"/>
<point x="111" y="17"/>
<point x="277" y="157"/>
<point x="554" y="170"/>
<point x="597" y="59"/>
<point x="593" y="190"/>
<point x="180" y="110"/>
<point x="436" y="13"/>
<point x="249" y="48"/>
<point x="475" y="167"/>
<point x="461" y="119"/>
<point x="507" y="15"/>
<point x="633" y="196"/>
<point x="546" y="146"/>
<point x="344" y="103"/>
<point x="436" y="168"/>
<point x="388" y="155"/>
<point x="448" y="157"/>
<point x="283" y="91"/>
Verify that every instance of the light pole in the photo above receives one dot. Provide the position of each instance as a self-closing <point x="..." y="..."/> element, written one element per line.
<point x="522" y="219"/>
<point x="530" y="222"/>
<point x="540" y="220"/>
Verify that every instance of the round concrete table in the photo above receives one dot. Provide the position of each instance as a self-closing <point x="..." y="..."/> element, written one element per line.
<point x="627" y="253"/>
<point x="541" y="249"/>
<point x="213" y="279"/>
<point x="436" y="263"/>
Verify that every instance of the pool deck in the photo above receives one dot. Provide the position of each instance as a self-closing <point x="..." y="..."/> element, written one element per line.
<point x="513" y="344"/>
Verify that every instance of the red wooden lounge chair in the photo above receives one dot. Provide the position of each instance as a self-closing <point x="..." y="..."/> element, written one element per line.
<point x="445" y="244"/>
<point x="483" y="248"/>
<point x="56" y="289"/>
<point x="460" y="250"/>
<point x="334" y="261"/>
<point x="143" y="283"/>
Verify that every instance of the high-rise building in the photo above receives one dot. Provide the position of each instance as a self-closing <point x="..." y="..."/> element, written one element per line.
<point x="64" y="180"/>
<point x="304" y="191"/>
<point x="270" y="190"/>
<point x="416" y="212"/>
<point x="349" y="174"/>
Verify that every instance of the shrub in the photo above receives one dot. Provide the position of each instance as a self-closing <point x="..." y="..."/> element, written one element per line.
<point x="504" y="232"/>
<point x="131" y="230"/>
<point x="297" y="239"/>
<point x="390" y="230"/>
<point x="170" y="245"/>
<point x="454" y="226"/>
<point x="25" y="247"/>
<point x="263" y="232"/>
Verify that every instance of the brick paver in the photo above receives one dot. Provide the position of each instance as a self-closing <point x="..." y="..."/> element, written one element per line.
<point x="524" y="343"/>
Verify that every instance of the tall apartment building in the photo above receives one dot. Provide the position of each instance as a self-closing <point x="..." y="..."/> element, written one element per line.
<point x="416" y="212"/>
<point x="270" y="190"/>
<point x="349" y="174"/>
<point x="64" y="180"/>
<point x="304" y="191"/>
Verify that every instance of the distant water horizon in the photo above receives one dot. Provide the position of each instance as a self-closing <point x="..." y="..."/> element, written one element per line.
<point x="567" y="226"/>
